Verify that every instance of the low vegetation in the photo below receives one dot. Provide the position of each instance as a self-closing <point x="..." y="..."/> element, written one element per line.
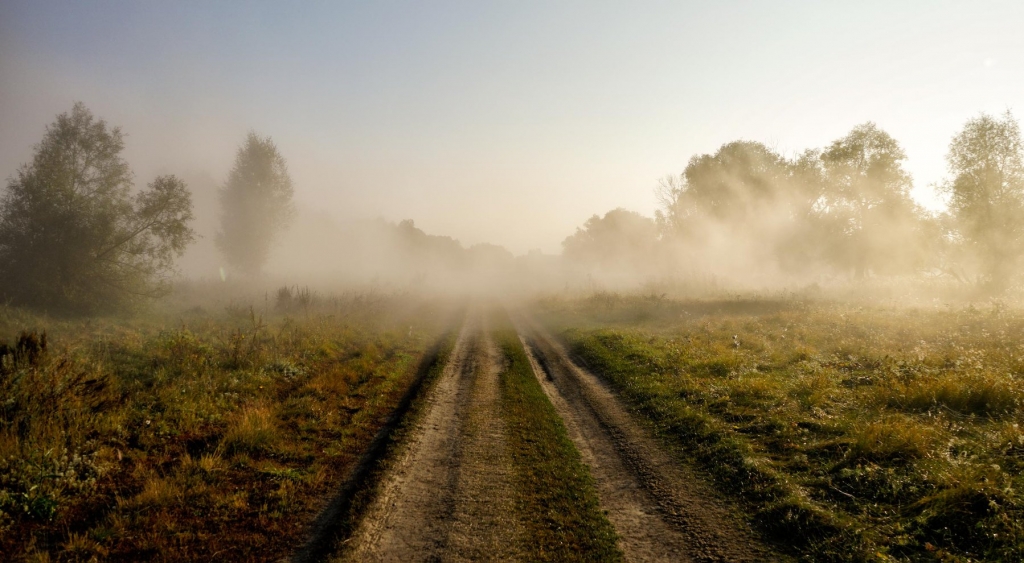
<point x="335" y="525"/>
<point x="217" y="439"/>
<point x="554" y="489"/>
<point x="850" y="433"/>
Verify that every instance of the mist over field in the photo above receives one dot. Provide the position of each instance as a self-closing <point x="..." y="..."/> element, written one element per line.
<point x="538" y="149"/>
<point x="517" y="280"/>
<point x="741" y="217"/>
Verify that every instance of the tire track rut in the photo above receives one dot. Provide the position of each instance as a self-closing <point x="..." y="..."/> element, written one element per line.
<point x="661" y="511"/>
<point x="447" y="498"/>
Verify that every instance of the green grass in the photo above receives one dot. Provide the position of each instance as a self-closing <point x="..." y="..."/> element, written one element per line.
<point x="554" y="490"/>
<point x="195" y="435"/>
<point x="849" y="433"/>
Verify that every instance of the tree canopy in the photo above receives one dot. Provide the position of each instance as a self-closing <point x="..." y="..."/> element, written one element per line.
<point x="738" y="181"/>
<point x="867" y="192"/>
<point x="256" y="204"/>
<point x="986" y="162"/>
<point x="72" y="235"/>
<point x="846" y="207"/>
<point x="621" y="239"/>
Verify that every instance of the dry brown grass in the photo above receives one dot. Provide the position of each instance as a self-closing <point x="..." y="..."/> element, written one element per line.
<point x="196" y="436"/>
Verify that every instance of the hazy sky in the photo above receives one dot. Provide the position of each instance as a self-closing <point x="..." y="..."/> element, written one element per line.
<point x="507" y="122"/>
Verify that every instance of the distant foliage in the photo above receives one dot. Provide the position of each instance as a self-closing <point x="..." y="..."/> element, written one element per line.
<point x="621" y="240"/>
<point x="986" y="161"/>
<point x="847" y="208"/>
<point x="737" y="182"/>
<point x="26" y="351"/>
<point x="293" y="298"/>
<point x="73" y="237"/>
<point x="256" y="204"/>
<point x="868" y="192"/>
<point x="748" y="204"/>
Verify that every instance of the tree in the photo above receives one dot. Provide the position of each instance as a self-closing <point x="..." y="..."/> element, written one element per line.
<point x="72" y="236"/>
<point x="621" y="241"/>
<point x="743" y="182"/>
<point x="738" y="181"/>
<point x="256" y="204"/>
<point x="814" y="233"/>
<point x="986" y="160"/>
<point x="745" y="196"/>
<point x="868" y="191"/>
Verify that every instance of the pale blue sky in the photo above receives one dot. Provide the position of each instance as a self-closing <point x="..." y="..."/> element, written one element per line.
<point x="507" y="122"/>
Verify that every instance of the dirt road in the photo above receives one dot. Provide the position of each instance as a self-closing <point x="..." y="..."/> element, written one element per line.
<point x="447" y="498"/>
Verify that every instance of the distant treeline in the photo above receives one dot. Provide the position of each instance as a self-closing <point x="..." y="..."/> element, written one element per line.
<point x="402" y="255"/>
<point x="76" y="234"/>
<point x="843" y="210"/>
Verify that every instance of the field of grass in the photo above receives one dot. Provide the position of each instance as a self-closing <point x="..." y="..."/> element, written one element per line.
<point x="849" y="433"/>
<point x="195" y="435"/>
<point x="554" y="489"/>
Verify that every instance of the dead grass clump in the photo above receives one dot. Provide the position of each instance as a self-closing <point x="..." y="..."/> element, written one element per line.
<point x="891" y="439"/>
<point x="80" y="547"/>
<point x="814" y="390"/>
<point x="206" y="465"/>
<point x="158" y="491"/>
<point x="984" y="394"/>
<point x="334" y="382"/>
<point x="211" y="463"/>
<point x="253" y="432"/>
<point x="753" y="391"/>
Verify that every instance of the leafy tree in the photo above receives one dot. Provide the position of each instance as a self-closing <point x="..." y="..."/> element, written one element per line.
<point x="868" y="192"/>
<point x="738" y="181"/>
<point x="813" y="233"/>
<point x="744" y="181"/>
<point x="72" y="236"/>
<point x="748" y="196"/>
<point x="421" y="251"/>
<point x="986" y="160"/>
<point x="256" y="204"/>
<point x="623" y="240"/>
<point x="733" y="185"/>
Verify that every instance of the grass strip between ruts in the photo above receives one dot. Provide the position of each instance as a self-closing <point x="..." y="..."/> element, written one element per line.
<point x="554" y="490"/>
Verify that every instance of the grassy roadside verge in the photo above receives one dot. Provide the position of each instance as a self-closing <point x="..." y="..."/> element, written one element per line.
<point x="338" y="521"/>
<point x="849" y="433"/>
<point x="208" y="436"/>
<point x="799" y="525"/>
<point x="554" y="490"/>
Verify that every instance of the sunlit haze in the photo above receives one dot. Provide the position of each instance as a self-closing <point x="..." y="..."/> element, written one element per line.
<point x="512" y="280"/>
<point x="501" y="122"/>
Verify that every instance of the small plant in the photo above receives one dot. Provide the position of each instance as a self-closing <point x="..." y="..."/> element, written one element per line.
<point x="253" y="433"/>
<point x="292" y="299"/>
<point x="891" y="439"/>
<point x="27" y="351"/>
